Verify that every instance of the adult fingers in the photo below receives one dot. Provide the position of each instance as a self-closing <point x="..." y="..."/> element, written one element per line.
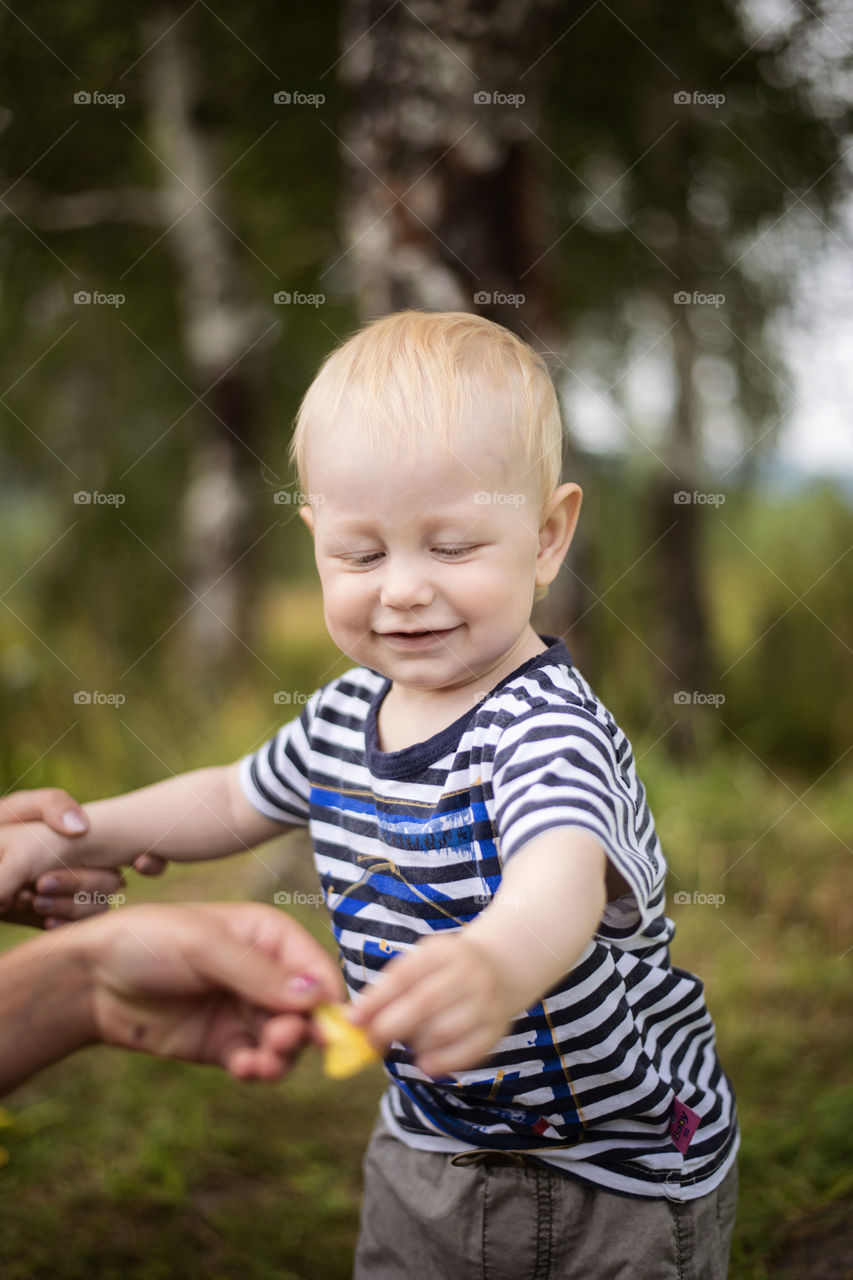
<point x="223" y="957"/>
<point x="67" y="881"/>
<point x="150" y="864"/>
<point x="49" y="804"/>
<point x="265" y="930"/>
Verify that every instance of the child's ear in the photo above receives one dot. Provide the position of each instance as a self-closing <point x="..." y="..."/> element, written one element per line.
<point x="556" y="530"/>
<point x="306" y="513"/>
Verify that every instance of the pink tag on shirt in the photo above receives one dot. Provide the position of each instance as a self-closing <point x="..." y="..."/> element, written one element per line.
<point x="684" y="1124"/>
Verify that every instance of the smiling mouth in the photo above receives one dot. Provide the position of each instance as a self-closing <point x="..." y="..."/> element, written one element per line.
<point x="416" y="635"/>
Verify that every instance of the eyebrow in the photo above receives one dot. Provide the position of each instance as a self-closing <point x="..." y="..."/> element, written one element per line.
<point x="447" y="528"/>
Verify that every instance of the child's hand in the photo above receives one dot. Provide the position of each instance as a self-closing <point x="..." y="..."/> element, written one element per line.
<point x="446" y="999"/>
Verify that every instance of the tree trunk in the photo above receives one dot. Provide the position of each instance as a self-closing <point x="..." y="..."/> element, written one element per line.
<point x="444" y="205"/>
<point x="678" y="520"/>
<point x="218" y="327"/>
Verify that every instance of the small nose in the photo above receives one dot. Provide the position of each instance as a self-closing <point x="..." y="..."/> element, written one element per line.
<point x="405" y="584"/>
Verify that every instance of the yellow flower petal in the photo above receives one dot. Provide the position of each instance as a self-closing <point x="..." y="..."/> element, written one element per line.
<point x="348" y="1049"/>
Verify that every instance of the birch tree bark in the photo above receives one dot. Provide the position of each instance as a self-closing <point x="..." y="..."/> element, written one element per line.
<point x="444" y="208"/>
<point x="218" y="327"/>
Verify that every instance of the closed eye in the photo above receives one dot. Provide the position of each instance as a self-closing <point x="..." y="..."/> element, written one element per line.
<point x="361" y="559"/>
<point x="451" y="552"/>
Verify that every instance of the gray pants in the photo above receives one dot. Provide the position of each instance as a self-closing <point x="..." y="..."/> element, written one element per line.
<point x="502" y="1218"/>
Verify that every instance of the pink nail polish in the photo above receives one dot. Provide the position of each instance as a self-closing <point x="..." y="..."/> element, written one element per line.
<point x="304" y="982"/>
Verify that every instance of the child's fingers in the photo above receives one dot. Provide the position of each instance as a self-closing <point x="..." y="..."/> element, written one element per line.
<point x="464" y="1053"/>
<point x="415" y="1007"/>
<point x="400" y="975"/>
<point x="14" y="875"/>
<point x="391" y="1007"/>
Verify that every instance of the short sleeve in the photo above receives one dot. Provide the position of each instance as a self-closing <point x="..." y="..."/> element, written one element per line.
<point x="560" y="766"/>
<point x="275" y="778"/>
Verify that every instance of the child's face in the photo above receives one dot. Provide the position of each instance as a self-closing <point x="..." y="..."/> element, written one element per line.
<point x="428" y="563"/>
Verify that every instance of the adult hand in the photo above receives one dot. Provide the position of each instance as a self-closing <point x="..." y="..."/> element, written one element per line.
<point x="224" y="983"/>
<point x="231" y="984"/>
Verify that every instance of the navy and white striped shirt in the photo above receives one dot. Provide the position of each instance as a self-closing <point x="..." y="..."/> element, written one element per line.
<point x="593" y="1078"/>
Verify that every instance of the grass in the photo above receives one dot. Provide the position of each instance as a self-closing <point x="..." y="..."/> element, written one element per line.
<point x="132" y="1169"/>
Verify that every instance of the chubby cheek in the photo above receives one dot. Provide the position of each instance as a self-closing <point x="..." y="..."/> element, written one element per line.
<point x="484" y="596"/>
<point x="346" y="608"/>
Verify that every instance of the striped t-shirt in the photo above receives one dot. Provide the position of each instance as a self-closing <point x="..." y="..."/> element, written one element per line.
<point x="607" y="1075"/>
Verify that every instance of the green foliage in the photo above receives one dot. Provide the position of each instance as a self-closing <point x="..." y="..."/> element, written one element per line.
<point x="779" y="597"/>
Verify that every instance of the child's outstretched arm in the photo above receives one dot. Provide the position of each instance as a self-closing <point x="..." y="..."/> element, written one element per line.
<point x="452" y="997"/>
<point x="193" y="816"/>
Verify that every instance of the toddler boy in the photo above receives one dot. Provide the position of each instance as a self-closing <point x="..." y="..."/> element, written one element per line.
<point x="555" y="1106"/>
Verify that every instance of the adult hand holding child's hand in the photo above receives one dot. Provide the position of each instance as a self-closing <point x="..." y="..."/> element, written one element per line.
<point x="67" y="895"/>
<point x="448" y="1000"/>
<point x="44" y="824"/>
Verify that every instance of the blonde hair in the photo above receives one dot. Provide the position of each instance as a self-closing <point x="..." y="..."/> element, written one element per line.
<point x="416" y="374"/>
